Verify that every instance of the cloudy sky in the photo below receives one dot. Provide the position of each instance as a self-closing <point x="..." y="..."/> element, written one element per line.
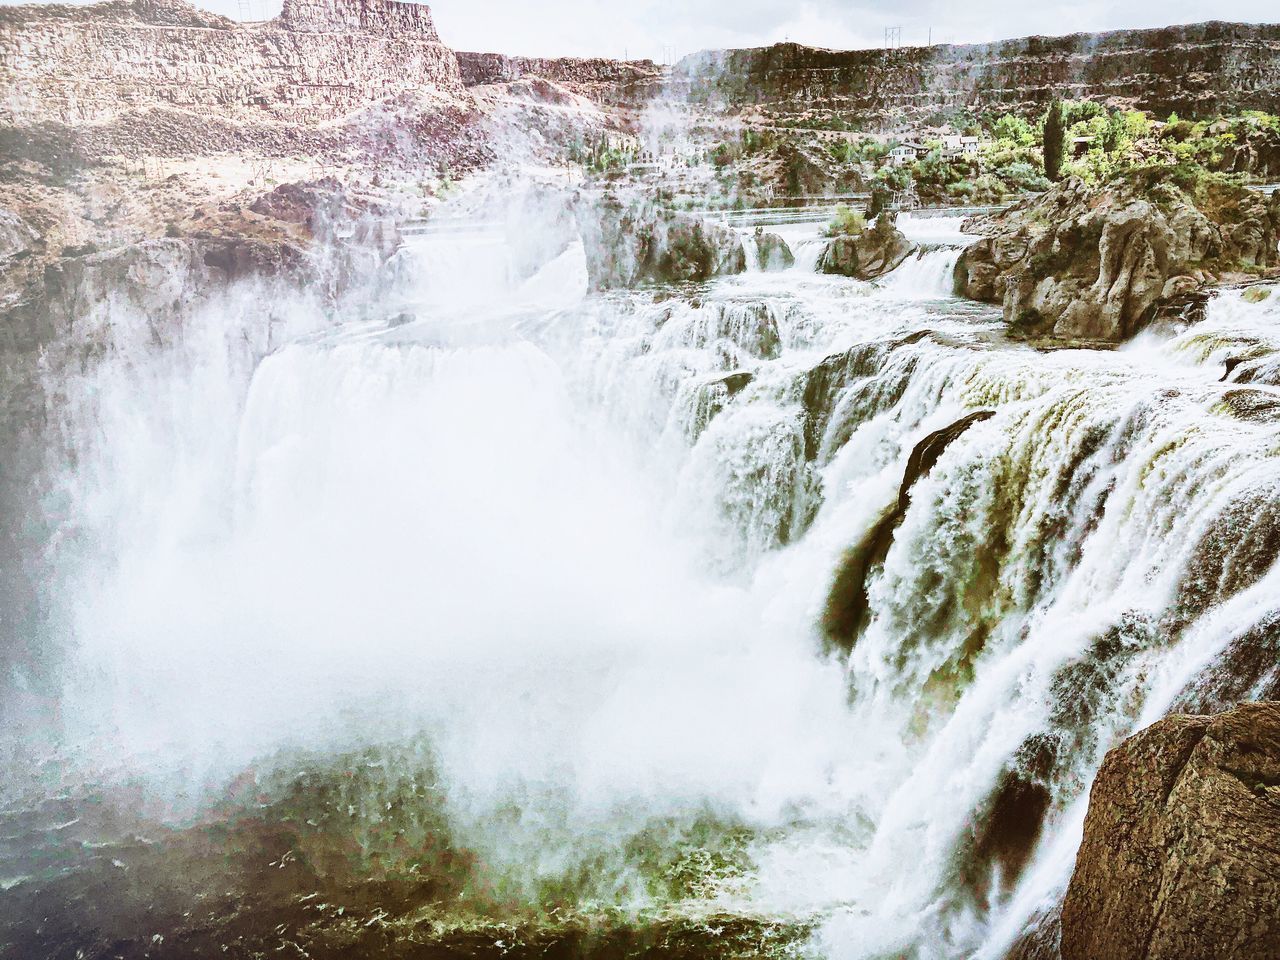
<point x="652" y="28"/>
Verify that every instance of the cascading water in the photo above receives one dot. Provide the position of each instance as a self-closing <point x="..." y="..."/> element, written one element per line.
<point x="928" y="273"/>
<point x="565" y="573"/>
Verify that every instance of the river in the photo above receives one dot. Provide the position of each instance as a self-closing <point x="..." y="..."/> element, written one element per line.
<point x="527" y="598"/>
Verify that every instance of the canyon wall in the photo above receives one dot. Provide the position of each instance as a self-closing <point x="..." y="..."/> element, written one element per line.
<point x="607" y="81"/>
<point x="322" y="59"/>
<point x="1196" y="70"/>
<point x="318" y="60"/>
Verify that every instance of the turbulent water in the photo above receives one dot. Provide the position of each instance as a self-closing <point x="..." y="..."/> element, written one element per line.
<point x="532" y="593"/>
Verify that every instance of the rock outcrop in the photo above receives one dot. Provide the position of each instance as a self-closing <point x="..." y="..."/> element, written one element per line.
<point x="630" y="244"/>
<point x="1096" y="264"/>
<point x="869" y="254"/>
<point x="1196" y="70"/>
<point x="313" y="236"/>
<point x="1181" y="851"/>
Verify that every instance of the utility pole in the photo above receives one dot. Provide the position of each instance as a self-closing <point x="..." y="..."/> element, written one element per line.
<point x="892" y="37"/>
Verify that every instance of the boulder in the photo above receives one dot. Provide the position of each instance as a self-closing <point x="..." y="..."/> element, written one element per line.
<point x="867" y="255"/>
<point x="1181" y="852"/>
<point x="772" y="252"/>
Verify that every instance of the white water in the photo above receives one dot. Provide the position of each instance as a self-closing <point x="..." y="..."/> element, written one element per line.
<point x="929" y="273"/>
<point x="540" y="530"/>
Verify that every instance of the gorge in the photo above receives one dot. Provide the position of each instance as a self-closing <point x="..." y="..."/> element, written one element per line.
<point x="426" y="535"/>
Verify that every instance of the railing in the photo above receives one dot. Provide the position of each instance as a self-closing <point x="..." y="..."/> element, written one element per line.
<point x="424" y="226"/>
<point x="959" y="211"/>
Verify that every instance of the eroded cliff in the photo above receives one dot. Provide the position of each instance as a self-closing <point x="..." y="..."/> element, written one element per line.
<point x="319" y="59"/>
<point x="1196" y="70"/>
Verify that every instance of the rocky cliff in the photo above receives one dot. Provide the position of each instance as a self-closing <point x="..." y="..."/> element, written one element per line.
<point x="1181" y="851"/>
<point x="318" y="60"/>
<point x="605" y="81"/>
<point x="1196" y="70"/>
<point x="868" y="255"/>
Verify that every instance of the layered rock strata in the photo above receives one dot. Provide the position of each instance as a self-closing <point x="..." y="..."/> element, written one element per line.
<point x="318" y="60"/>
<point x="1197" y="70"/>
<point x="1083" y="263"/>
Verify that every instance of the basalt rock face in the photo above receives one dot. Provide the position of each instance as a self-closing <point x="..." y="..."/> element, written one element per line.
<point x="318" y="60"/>
<point x="1196" y="70"/>
<point x="605" y="81"/>
<point x="1097" y="264"/>
<point x="630" y="244"/>
<point x="1181" y="851"/>
<point x="313" y="235"/>
<point x="870" y="254"/>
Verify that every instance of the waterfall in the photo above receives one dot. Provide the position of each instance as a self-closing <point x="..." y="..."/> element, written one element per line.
<point x="571" y="555"/>
<point x="808" y="252"/>
<point x="927" y="273"/>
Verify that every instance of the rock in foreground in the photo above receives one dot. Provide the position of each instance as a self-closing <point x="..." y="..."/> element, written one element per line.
<point x="1181" y="851"/>
<point x="772" y="252"/>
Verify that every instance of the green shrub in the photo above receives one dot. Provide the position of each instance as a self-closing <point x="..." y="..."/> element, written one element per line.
<point x="846" y="223"/>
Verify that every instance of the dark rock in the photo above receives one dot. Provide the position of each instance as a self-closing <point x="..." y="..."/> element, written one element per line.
<point x="1229" y="365"/>
<point x="302" y="203"/>
<point x="1007" y="833"/>
<point x="846" y="604"/>
<point x="926" y="453"/>
<point x="629" y="245"/>
<point x="735" y="382"/>
<point x="1252" y="405"/>
<point x="1181" y="851"/>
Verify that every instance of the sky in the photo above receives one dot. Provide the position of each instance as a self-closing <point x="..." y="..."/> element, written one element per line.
<point x="665" y="29"/>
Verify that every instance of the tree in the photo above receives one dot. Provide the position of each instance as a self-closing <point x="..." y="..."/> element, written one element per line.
<point x="878" y="201"/>
<point x="1054" y="141"/>
<point x="1013" y="129"/>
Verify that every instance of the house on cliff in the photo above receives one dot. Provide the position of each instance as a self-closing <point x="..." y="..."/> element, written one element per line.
<point x="958" y="146"/>
<point x="907" y="152"/>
